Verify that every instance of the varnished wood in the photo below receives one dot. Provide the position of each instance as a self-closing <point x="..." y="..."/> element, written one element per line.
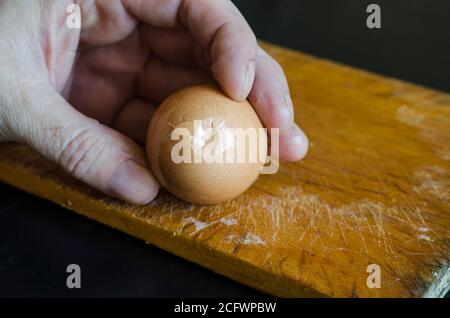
<point x="374" y="189"/>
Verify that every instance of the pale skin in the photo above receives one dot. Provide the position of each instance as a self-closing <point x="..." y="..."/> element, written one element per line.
<point x="83" y="98"/>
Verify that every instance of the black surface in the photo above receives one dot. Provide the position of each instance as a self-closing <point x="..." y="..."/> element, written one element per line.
<point x="39" y="239"/>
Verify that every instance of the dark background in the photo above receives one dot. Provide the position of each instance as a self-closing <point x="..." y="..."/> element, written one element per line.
<point x="413" y="43"/>
<point x="39" y="239"/>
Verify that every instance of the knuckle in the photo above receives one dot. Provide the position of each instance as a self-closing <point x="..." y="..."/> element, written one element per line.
<point x="80" y="152"/>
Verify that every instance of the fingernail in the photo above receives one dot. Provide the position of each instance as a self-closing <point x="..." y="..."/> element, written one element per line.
<point x="299" y="137"/>
<point x="133" y="183"/>
<point x="248" y="80"/>
<point x="301" y="143"/>
<point x="288" y="109"/>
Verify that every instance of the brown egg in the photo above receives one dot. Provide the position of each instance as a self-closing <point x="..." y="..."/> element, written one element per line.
<point x="204" y="147"/>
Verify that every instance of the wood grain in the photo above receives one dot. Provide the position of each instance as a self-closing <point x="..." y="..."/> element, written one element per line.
<point x="374" y="189"/>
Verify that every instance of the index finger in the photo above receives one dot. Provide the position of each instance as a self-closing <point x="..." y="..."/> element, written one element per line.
<point x="220" y="30"/>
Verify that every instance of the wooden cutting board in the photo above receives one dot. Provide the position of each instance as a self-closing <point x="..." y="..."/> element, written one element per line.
<point x="374" y="189"/>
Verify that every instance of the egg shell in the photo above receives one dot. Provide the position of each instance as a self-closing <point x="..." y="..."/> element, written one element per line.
<point x="202" y="183"/>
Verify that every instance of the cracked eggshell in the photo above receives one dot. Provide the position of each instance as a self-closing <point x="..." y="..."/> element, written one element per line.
<point x="203" y="183"/>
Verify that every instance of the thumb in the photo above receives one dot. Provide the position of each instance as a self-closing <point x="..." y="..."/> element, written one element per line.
<point x="86" y="149"/>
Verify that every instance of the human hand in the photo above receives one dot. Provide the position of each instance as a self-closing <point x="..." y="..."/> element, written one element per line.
<point x="83" y="98"/>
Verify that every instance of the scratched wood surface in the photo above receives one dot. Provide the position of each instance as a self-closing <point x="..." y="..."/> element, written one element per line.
<point x="374" y="189"/>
